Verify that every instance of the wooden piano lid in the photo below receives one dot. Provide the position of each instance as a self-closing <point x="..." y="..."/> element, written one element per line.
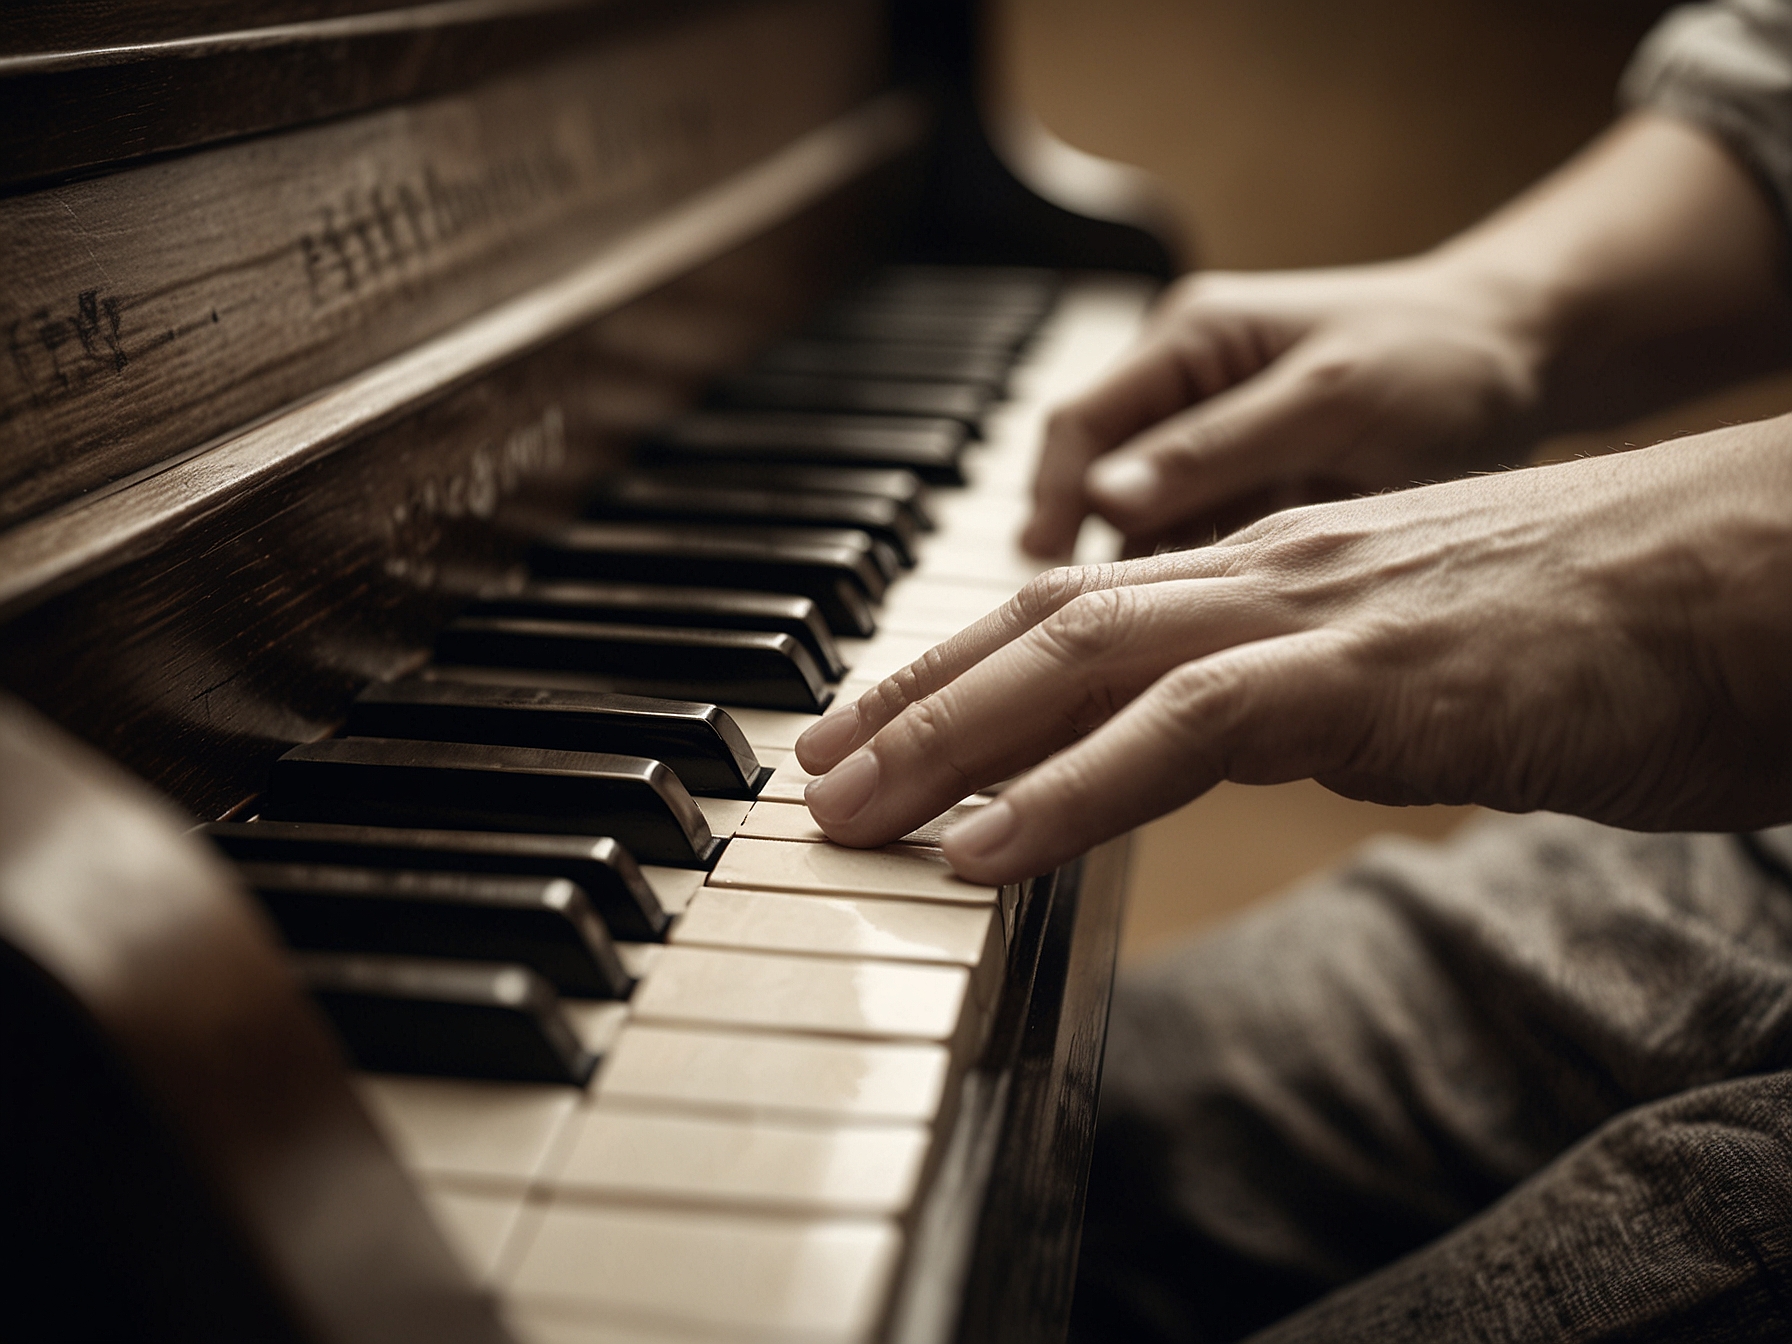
<point x="186" y="1160"/>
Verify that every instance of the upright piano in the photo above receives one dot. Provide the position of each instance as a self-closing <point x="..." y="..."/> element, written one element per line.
<point x="448" y="452"/>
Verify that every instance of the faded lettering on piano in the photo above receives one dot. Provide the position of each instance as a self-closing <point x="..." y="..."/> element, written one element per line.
<point x="167" y="304"/>
<point x="491" y="472"/>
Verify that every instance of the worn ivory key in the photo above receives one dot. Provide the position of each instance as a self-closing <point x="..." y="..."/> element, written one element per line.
<point x="841" y="926"/>
<point x="926" y="931"/>
<point x="782" y="1277"/>
<point x="616" y="1153"/>
<point x="902" y="870"/>
<point x="479" y="1133"/>
<point x="771" y="820"/>
<point x="815" y="1076"/>
<point x="872" y="999"/>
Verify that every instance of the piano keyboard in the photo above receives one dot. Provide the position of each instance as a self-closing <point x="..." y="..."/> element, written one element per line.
<point x="682" y="1081"/>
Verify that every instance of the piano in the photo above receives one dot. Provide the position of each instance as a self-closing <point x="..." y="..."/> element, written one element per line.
<point x="448" y="452"/>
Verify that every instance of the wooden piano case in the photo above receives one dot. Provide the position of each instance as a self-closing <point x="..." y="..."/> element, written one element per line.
<point x="314" y="315"/>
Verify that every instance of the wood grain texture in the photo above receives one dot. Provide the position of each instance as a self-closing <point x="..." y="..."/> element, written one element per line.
<point x="150" y="310"/>
<point x="44" y="555"/>
<point x="124" y="95"/>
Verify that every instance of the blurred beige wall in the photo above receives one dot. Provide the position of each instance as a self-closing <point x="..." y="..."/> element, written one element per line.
<point x="1312" y="132"/>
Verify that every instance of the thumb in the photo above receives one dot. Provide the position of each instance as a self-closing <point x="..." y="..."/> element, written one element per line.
<point x="1276" y="428"/>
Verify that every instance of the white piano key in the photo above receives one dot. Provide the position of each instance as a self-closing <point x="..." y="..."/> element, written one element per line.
<point x="899" y="870"/>
<point x="631" y="1155"/>
<point x="774" y="729"/>
<point x="967" y="514"/>
<point x="530" y="1324"/>
<point x="488" y="1134"/>
<point x="888" y="652"/>
<point x="673" y="886"/>
<point x="775" y="1074"/>
<point x="723" y="814"/>
<point x="476" y="1225"/>
<point x="748" y="1276"/>
<point x="991" y="562"/>
<point x="596" y="1021"/>
<point x="841" y="926"/>
<point x="773" y="820"/>
<point x="786" y="784"/>
<point x="929" y="834"/>
<point x="961" y="598"/>
<point x="639" y="958"/>
<point x="763" y="990"/>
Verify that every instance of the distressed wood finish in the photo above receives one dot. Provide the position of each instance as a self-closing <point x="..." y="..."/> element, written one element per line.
<point x="103" y="88"/>
<point x="152" y="309"/>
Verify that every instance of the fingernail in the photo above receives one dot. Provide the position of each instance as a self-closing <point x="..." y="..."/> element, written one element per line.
<point x="984" y="832"/>
<point x="842" y="793"/>
<point x="832" y="738"/>
<point x="1130" y="482"/>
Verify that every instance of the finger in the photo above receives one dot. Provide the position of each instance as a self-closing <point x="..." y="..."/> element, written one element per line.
<point x="1275" y="428"/>
<point x="1267" y="712"/>
<point x="1039" y="693"/>
<point x="843" y="731"/>
<point x="1164" y="375"/>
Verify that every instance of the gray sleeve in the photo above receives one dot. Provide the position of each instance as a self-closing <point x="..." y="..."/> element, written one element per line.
<point x="1727" y="67"/>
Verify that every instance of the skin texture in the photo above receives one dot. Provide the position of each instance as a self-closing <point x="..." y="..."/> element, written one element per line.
<point x="1608" y="638"/>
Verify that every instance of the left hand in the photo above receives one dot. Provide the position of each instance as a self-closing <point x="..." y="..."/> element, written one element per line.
<point x="1610" y="638"/>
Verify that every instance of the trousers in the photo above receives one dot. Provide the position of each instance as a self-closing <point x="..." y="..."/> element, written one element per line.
<point x="1533" y="1083"/>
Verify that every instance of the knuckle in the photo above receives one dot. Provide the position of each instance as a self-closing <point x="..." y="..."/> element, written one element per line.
<point x="929" y="726"/>
<point x="884" y="701"/>
<point x="1205" y="703"/>
<point x="1043" y="595"/>
<point x="1296" y="542"/>
<point x="1087" y="627"/>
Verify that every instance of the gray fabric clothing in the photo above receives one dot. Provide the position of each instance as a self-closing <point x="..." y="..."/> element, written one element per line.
<point x="1726" y="67"/>
<point x="1532" y="1084"/>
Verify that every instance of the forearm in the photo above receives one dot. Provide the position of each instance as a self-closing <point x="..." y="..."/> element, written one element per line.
<point x="1648" y="268"/>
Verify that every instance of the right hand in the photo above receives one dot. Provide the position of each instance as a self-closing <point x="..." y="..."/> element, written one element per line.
<point x="1253" y="392"/>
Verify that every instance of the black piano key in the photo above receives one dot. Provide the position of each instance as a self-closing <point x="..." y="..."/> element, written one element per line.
<point x="651" y="604"/>
<point x="457" y="1019"/>
<point x="760" y="669"/>
<point x="863" y="359"/>
<point x="544" y="923"/>
<point x="375" y="781"/>
<point x="964" y="402"/>
<point x="896" y="484"/>
<point x="647" y="495"/>
<point x="840" y="576"/>
<point x="929" y="448"/>
<point x="701" y="744"/>
<point x="601" y="867"/>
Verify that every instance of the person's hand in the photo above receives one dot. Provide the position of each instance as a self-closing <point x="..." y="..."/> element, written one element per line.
<point x="1252" y="392"/>
<point x="1610" y="637"/>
